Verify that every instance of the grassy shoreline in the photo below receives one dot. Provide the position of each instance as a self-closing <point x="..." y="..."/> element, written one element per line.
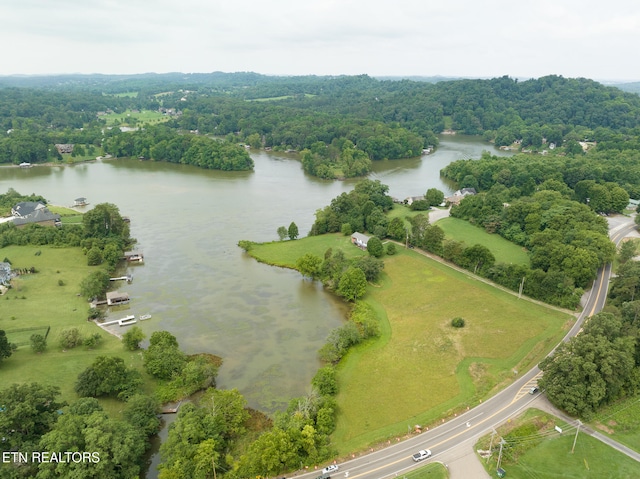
<point x="421" y="369"/>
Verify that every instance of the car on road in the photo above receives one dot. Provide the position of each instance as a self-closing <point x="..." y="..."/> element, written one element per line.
<point x="534" y="390"/>
<point x="421" y="454"/>
<point x="330" y="469"/>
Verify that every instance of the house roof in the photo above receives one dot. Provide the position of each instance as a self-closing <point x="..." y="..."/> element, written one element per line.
<point x="25" y="208"/>
<point x="38" y="216"/>
<point x="360" y="237"/>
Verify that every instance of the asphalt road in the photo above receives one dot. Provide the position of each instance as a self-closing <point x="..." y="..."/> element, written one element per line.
<point x="445" y="441"/>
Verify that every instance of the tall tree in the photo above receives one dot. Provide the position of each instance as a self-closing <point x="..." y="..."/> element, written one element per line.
<point x="5" y="347"/>
<point x="28" y="412"/>
<point x="293" y="231"/>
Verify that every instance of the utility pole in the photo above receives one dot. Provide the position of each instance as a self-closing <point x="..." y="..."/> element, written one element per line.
<point x="502" y="443"/>
<point x="576" y="438"/>
<point x="491" y="443"/>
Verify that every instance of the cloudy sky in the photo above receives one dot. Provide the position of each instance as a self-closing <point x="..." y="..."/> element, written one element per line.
<point x="469" y="38"/>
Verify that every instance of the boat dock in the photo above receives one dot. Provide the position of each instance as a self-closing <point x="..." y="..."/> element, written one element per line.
<point x="128" y="278"/>
<point x="126" y="321"/>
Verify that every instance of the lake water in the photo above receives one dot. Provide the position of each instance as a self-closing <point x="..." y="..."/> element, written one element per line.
<point x="267" y="323"/>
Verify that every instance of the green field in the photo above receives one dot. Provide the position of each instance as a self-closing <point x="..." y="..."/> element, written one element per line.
<point x="435" y="470"/>
<point x="285" y="253"/>
<point x="38" y="301"/>
<point x="621" y="421"/>
<point x="67" y="215"/>
<point x="422" y="369"/>
<point x="547" y="454"/>
<point x="128" y="118"/>
<point x="503" y="250"/>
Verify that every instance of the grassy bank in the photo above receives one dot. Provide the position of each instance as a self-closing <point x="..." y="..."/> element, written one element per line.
<point x="621" y="421"/>
<point x="49" y="299"/>
<point x="421" y="368"/>
<point x="503" y="250"/>
<point x="539" y="451"/>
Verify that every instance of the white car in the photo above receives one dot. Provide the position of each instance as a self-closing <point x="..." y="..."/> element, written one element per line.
<point x="330" y="469"/>
<point x="422" y="454"/>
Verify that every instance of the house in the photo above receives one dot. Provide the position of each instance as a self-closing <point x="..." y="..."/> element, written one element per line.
<point x="134" y="256"/>
<point x="633" y="204"/>
<point x="360" y="240"/>
<point x="410" y="199"/>
<point x="5" y="273"/>
<point x="42" y="217"/>
<point x="115" y="297"/>
<point x="25" y="208"/>
<point x="64" y="148"/>
<point x="457" y="197"/>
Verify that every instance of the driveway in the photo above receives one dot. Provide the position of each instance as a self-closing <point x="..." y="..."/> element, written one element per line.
<point x="438" y="213"/>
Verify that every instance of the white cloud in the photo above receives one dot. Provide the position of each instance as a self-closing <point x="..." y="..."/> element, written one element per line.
<point x="456" y="37"/>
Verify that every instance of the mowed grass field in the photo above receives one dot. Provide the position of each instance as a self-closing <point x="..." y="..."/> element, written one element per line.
<point x="503" y="250"/>
<point x="150" y="117"/>
<point x="37" y="300"/>
<point x="552" y="456"/>
<point x="286" y="253"/>
<point x="422" y="369"/>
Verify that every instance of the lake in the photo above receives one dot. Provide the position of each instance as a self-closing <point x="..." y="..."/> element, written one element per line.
<point x="267" y="323"/>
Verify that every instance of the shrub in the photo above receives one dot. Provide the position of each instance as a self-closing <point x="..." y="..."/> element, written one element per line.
<point x="70" y="338"/>
<point x="457" y="322"/>
<point x="391" y="249"/>
<point x="325" y="381"/>
<point x="346" y="229"/>
<point x="38" y="343"/>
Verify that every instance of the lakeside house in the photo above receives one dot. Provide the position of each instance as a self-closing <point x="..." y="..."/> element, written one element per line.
<point x="459" y="195"/>
<point x="360" y="240"/>
<point x="33" y="212"/>
<point x="64" y="148"/>
<point x="115" y="298"/>
<point x="410" y="199"/>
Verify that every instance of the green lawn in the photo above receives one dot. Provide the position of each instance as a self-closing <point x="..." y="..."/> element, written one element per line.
<point x="129" y="118"/>
<point x="435" y="470"/>
<point x="621" y="421"/>
<point x="422" y="369"/>
<point x="67" y="215"/>
<point x="503" y="250"/>
<point x="285" y="253"/>
<point x="38" y="301"/>
<point x="551" y="456"/>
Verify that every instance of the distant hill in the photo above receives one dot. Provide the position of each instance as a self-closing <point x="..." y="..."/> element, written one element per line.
<point x="629" y="87"/>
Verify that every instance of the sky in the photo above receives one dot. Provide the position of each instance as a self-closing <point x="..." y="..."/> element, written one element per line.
<point x="452" y="38"/>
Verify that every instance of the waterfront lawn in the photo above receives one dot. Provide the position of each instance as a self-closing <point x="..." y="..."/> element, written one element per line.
<point x="504" y="251"/>
<point x="286" y="253"/>
<point x="422" y="369"/>
<point x="67" y="215"/>
<point x="551" y="457"/>
<point x="39" y="301"/>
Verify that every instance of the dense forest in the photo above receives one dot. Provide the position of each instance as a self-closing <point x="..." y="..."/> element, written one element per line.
<point x="339" y="124"/>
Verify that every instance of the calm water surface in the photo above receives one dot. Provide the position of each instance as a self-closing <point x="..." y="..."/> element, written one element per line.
<point x="267" y="323"/>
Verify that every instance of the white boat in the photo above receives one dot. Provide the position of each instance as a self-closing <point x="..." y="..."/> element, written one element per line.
<point x="144" y="317"/>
